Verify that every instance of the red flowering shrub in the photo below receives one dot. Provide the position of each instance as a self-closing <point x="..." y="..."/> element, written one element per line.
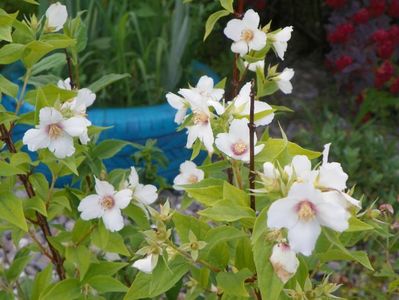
<point x="364" y="43"/>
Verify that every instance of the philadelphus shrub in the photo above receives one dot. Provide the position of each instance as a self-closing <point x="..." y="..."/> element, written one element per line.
<point x="259" y="218"/>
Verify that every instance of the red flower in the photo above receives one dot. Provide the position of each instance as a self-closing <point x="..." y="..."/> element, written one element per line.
<point x="385" y="50"/>
<point x="393" y="9"/>
<point x="383" y="74"/>
<point x="377" y="7"/>
<point x="394" y="34"/>
<point x="335" y="4"/>
<point x="380" y="36"/>
<point x="361" y="16"/>
<point x="343" y="61"/>
<point x="341" y="33"/>
<point x="394" y="89"/>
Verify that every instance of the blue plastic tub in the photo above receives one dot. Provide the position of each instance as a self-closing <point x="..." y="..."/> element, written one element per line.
<point x="135" y="124"/>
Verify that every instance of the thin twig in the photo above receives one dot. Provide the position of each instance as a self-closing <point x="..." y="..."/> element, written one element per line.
<point x="70" y="69"/>
<point x="252" y="133"/>
<point x="41" y="220"/>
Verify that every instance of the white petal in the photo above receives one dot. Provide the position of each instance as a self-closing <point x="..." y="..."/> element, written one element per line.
<point x="145" y="264"/>
<point x="180" y="115"/>
<point x="187" y="167"/>
<point x="86" y="96"/>
<point x="251" y="18"/>
<point x="303" y="236"/>
<point x="90" y="207"/>
<point x="239" y="130"/>
<point x="258" y="149"/>
<point x="223" y="143"/>
<point x="104" y="188"/>
<point x="256" y="65"/>
<point x="301" y="165"/>
<point x="66" y="84"/>
<point x="269" y="171"/>
<point x="146" y="194"/>
<point x="233" y="29"/>
<point x="56" y="16"/>
<point x="62" y="146"/>
<point x="84" y="138"/>
<point x="284" y="35"/>
<point x="75" y="126"/>
<point x="217" y="94"/>
<point x="305" y="190"/>
<point x="285" y="86"/>
<point x="352" y="200"/>
<point x="287" y="74"/>
<point x="280" y="48"/>
<point x="207" y="137"/>
<point x="49" y="115"/>
<point x="192" y="135"/>
<point x="219" y="108"/>
<point x="36" y="139"/>
<point x="205" y="84"/>
<point x="113" y="219"/>
<point x="261" y="107"/>
<point x="175" y="101"/>
<point x="332" y="215"/>
<point x="180" y="179"/>
<point x="259" y="40"/>
<point x="122" y="198"/>
<point x="282" y="213"/>
<point x="240" y="47"/>
<point x="326" y="151"/>
<point x="284" y="261"/>
<point x="133" y="177"/>
<point x="331" y="175"/>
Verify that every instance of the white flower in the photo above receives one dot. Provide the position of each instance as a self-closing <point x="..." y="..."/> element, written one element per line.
<point x="303" y="212"/>
<point x="242" y="105"/>
<point x="260" y="64"/>
<point x="56" y="16"/>
<point x="283" y="80"/>
<point x="284" y="261"/>
<point x="235" y="143"/>
<point x="55" y="133"/>
<point x="301" y="169"/>
<point x="245" y="33"/>
<point x="205" y="87"/>
<point x="78" y="105"/>
<point x="201" y="129"/>
<point x="280" y="40"/>
<point x="146" y="264"/>
<point x="189" y="174"/>
<point x="180" y="104"/>
<point x="270" y="171"/>
<point x="145" y="194"/>
<point x="106" y="204"/>
<point x="333" y="179"/>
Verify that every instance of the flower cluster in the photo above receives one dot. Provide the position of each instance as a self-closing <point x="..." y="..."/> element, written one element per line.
<point x="313" y="198"/>
<point x="367" y="26"/>
<point x="203" y="110"/>
<point x="59" y="125"/>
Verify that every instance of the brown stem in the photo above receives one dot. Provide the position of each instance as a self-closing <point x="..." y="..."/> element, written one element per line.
<point x="70" y="69"/>
<point x="57" y="260"/>
<point x="252" y="133"/>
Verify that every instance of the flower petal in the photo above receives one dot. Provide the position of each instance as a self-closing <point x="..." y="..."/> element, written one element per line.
<point x="332" y="215"/>
<point x="36" y="139"/>
<point x="133" y="177"/>
<point x="90" y="207"/>
<point x="303" y="236"/>
<point x="205" y="84"/>
<point x="62" y="146"/>
<point x="332" y="176"/>
<point x="104" y="188"/>
<point x="259" y="40"/>
<point x="145" y="264"/>
<point x="233" y="29"/>
<point x="75" y="126"/>
<point x="282" y="213"/>
<point x="251" y="18"/>
<point x="146" y="194"/>
<point x="49" y="115"/>
<point x="122" y="198"/>
<point x="240" y="47"/>
<point x="113" y="219"/>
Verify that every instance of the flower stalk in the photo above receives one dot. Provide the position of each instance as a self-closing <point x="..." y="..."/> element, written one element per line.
<point x="252" y="133"/>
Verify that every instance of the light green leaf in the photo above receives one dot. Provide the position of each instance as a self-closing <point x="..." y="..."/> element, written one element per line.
<point x="53" y="61"/>
<point x="11" y="210"/>
<point x="106" y="284"/>
<point x="104" y="267"/>
<point x="36" y="204"/>
<point x="225" y="211"/>
<point x="233" y="283"/>
<point x="41" y="282"/>
<point x="11" y="53"/>
<point x="356" y="225"/>
<point x="108" y="148"/>
<point x="207" y="191"/>
<point x="338" y="254"/>
<point x="106" y="80"/>
<point x="100" y="236"/>
<point x="227" y="5"/>
<point x="116" y="244"/>
<point x="163" y="278"/>
<point x="18" y="265"/>
<point x="32" y="2"/>
<point x="67" y="289"/>
<point x="9" y="170"/>
<point x="7" y="87"/>
<point x="235" y="195"/>
<point x="213" y="18"/>
<point x="184" y="224"/>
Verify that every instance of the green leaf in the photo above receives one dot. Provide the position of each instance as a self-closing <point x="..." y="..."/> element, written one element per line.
<point x="6" y="22"/>
<point x="48" y="95"/>
<point x="222" y="234"/>
<point x="50" y="62"/>
<point x="207" y="191"/>
<point x="356" y="225"/>
<point x="32" y="2"/>
<point x="116" y="244"/>
<point x="225" y="211"/>
<point x="35" y="204"/>
<point x="7" y="87"/>
<point x="7" y="170"/>
<point x="18" y="265"/>
<point x="106" y="284"/>
<point x="67" y="289"/>
<point x="227" y="5"/>
<point x="162" y="279"/>
<point x="338" y="254"/>
<point x="235" y="195"/>
<point x="41" y="282"/>
<point x="233" y="283"/>
<point x="108" y="148"/>
<point x="213" y="18"/>
<point x="11" y="53"/>
<point x="79" y="257"/>
<point x="100" y="236"/>
<point x="11" y="210"/>
<point x="104" y="267"/>
<point x="106" y="80"/>
<point x="269" y="284"/>
<point x="184" y="224"/>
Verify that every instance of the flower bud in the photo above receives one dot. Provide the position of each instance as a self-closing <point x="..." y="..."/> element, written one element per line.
<point x="284" y="261"/>
<point x="56" y="16"/>
<point x="386" y="209"/>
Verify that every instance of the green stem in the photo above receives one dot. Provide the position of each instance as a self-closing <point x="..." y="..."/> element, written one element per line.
<point x="237" y="173"/>
<point x="20" y="99"/>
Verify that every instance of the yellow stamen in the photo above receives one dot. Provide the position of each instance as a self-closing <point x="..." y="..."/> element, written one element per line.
<point x="108" y="202"/>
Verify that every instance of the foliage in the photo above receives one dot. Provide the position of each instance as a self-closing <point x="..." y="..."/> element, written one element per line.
<point x="268" y="225"/>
